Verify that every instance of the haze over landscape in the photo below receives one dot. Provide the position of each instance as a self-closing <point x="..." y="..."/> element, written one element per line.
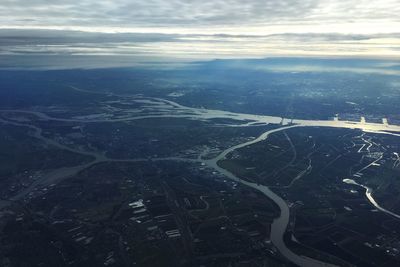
<point x="199" y="133"/>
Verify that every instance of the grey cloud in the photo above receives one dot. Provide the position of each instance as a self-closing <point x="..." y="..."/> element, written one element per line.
<point x="50" y="37"/>
<point x="20" y="42"/>
<point x="151" y="12"/>
<point x="14" y="37"/>
<point x="189" y="18"/>
<point x="190" y="13"/>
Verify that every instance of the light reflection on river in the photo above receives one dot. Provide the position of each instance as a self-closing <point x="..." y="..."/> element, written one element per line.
<point x="161" y="108"/>
<point x="368" y="194"/>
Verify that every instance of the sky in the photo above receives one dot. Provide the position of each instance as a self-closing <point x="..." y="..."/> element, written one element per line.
<point x="155" y="30"/>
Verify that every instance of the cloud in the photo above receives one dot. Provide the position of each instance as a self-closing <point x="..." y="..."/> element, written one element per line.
<point x="151" y="12"/>
<point x="194" y="46"/>
<point x="192" y="13"/>
<point x="199" y="29"/>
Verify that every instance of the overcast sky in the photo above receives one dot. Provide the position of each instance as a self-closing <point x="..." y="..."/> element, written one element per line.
<point x="193" y="29"/>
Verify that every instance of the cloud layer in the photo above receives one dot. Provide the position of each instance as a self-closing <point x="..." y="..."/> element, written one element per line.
<point x="192" y="15"/>
<point x="200" y="29"/>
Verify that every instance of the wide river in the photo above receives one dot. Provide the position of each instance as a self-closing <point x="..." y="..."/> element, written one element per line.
<point x="279" y="225"/>
<point x="161" y="108"/>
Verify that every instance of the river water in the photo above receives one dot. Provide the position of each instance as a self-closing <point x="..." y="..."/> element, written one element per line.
<point x="368" y="194"/>
<point x="167" y="109"/>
